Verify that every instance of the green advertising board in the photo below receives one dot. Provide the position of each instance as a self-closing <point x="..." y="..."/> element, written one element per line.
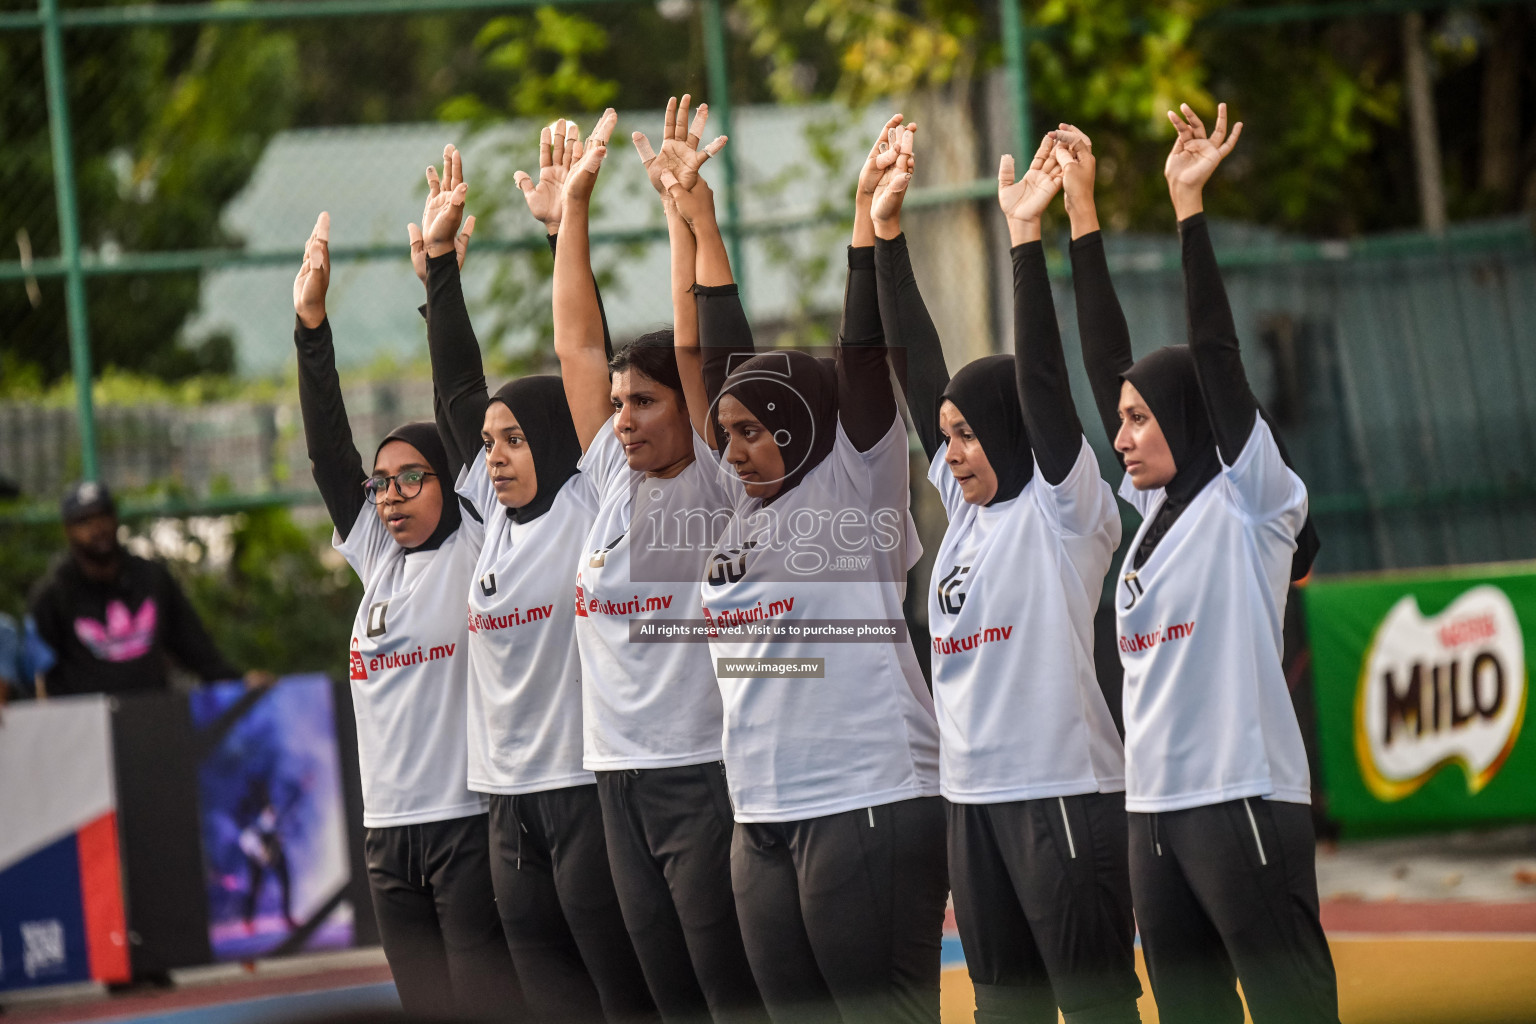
<point x="1421" y="688"/>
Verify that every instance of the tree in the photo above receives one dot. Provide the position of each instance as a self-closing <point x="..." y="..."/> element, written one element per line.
<point x="168" y="125"/>
<point x="1325" y="154"/>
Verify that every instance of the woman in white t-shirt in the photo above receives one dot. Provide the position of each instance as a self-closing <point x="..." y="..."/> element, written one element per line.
<point x="830" y="739"/>
<point x="400" y="528"/>
<point x="549" y="857"/>
<point x="1223" y="866"/>
<point x="1031" y="765"/>
<point x="651" y="710"/>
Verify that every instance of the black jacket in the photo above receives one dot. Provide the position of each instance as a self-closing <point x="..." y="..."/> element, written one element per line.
<point x="117" y="637"/>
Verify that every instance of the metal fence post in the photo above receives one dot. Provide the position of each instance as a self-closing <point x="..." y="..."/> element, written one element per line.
<point x="718" y="69"/>
<point x="1014" y="41"/>
<point x="57" y="81"/>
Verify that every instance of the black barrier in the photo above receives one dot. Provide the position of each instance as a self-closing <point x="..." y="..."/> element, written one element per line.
<point x="155" y="759"/>
<point x="232" y="820"/>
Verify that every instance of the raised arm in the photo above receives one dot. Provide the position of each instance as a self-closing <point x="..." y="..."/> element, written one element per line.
<point x="438" y="248"/>
<point x="725" y="336"/>
<point x="912" y="338"/>
<point x="579" y="330"/>
<point x="1045" y="394"/>
<point x="680" y="158"/>
<point x="1212" y="334"/>
<point x="1101" y="325"/>
<point x="333" y="458"/>
<point x="866" y="404"/>
<point x="558" y="144"/>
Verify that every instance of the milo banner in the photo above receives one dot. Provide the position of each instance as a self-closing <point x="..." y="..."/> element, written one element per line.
<point x="1421" y="686"/>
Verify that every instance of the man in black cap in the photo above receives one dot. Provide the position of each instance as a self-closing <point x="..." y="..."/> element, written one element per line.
<point x="112" y="619"/>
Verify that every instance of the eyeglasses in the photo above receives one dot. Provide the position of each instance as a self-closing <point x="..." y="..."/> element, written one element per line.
<point x="407" y="484"/>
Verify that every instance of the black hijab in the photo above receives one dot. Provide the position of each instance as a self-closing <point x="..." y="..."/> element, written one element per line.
<point x="793" y="395"/>
<point x="986" y="392"/>
<point x="422" y="435"/>
<point x="542" y="412"/>
<point x="1170" y="386"/>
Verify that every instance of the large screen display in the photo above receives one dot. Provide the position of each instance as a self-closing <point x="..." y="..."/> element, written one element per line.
<point x="273" y="818"/>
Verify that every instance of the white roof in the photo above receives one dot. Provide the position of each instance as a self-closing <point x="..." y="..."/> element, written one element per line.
<point x="372" y="181"/>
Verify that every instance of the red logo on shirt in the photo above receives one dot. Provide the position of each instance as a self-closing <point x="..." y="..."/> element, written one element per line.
<point x="1138" y="642"/>
<point x="581" y="601"/>
<point x="358" y="669"/>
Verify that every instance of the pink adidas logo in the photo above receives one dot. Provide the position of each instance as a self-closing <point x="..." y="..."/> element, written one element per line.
<point x="124" y="637"/>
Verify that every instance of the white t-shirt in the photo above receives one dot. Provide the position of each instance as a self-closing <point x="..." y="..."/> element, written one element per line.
<point x="524" y="669"/>
<point x="864" y="732"/>
<point x="646" y="705"/>
<point x="1015" y="587"/>
<point x="1208" y="715"/>
<point x="409" y="671"/>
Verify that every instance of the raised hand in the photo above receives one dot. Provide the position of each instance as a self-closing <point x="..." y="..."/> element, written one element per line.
<point x="695" y="205"/>
<point x="881" y="155"/>
<point x="680" y="153"/>
<point x="1024" y="199"/>
<point x="1073" y="150"/>
<point x="419" y="246"/>
<point x="444" y="212"/>
<point x="587" y="159"/>
<point x="558" y="145"/>
<point x="891" y="188"/>
<point x="314" y="275"/>
<point x="1194" y="157"/>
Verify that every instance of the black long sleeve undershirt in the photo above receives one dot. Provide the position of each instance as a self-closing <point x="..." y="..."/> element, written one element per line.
<point x="1105" y="336"/>
<point x="1229" y="400"/>
<point x="458" y="374"/>
<point x="1045" y="391"/>
<point x="866" y="408"/>
<point x="913" y="339"/>
<point x="866" y="404"/>
<point x="333" y="458"/>
<point x="725" y="341"/>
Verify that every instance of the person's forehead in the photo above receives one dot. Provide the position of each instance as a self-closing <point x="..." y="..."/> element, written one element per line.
<point x="398" y="455"/>
<point x="500" y="417"/>
<point x="949" y="411"/>
<point x="733" y="410"/>
<point x="631" y="381"/>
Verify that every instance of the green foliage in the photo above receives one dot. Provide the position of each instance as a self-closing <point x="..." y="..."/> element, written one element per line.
<point x="879" y="47"/>
<point x="542" y="58"/>
<point x="286" y="601"/>
<point x="25" y="551"/>
<point x="168" y="125"/>
<point x="1323" y="153"/>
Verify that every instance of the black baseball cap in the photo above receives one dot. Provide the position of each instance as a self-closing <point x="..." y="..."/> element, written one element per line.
<point x="84" y="500"/>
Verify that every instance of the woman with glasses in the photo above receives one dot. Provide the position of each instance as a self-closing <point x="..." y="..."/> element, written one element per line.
<point x="400" y="528"/>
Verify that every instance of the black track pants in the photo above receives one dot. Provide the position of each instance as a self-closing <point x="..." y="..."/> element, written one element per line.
<point x="669" y="835"/>
<point x="549" y="863"/>
<point x="431" y="887"/>
<point x="1229" y="892"/>
<point x="843" y="915"/>
<point x="1043" y="903"/>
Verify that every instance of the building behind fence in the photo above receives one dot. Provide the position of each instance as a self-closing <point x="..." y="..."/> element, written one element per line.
<point x="1402" y="372"/>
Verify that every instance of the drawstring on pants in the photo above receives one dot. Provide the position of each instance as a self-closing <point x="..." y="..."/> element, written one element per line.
<point x="1157" y="845"/>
